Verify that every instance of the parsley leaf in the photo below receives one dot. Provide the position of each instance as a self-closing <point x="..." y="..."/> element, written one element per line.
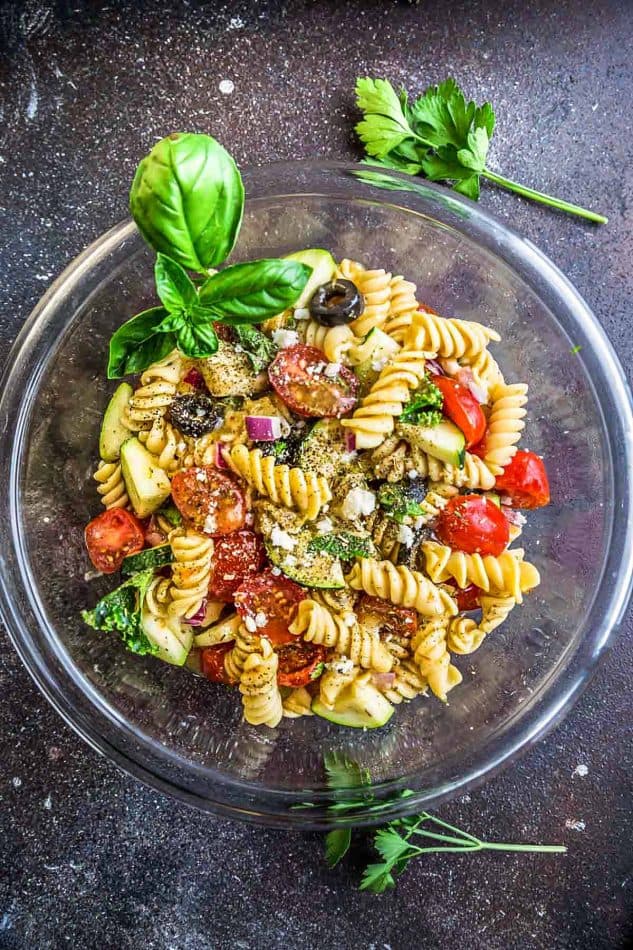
<point x="344" y="544"/>
<point x="396" y="499"/>
<point x="121" y="610"/>
<point x="440" y="135"/>
<point x="259" y="348"/>
<point x="337" y="844"/>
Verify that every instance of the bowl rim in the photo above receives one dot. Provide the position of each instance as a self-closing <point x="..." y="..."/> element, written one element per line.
<point x="552" y="710"/>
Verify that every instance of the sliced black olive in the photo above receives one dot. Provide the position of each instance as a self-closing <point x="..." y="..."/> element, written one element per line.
<point x="336" y="303"/>
<point x="195" y="415"/>
<point x="285" y="450"/>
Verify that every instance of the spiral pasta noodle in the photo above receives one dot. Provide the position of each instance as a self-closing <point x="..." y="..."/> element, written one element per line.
<point x="334" y="341"/>
<point x="165" y="443"/>
<point x="508" y="573"/>
<point x="433" y="659"/>
<point x="485" y="369"/>
<point x="297" y="703"/>
<point x="339" y="600"/>
<point x="375" y="286"/>
<point x="158" y="597"/>
<point x="291" y="487"/>
<point x="447" y="336"/>
<point x="505" y="424"/>
<point x="402" y="306"/>
<point x="401" y="586"/>
<point x="475" y="473"/>
<point x="261" y="699"/>
<point x="494" y="610"/>
<point x="408" y="683"/>
<point x="191" y="571"/>
<point x="111" y="486"/>
<point x="385" y="534"/>
<point x="389" y="461"/>
<point x="245" y="644"/>
<point x="156" y="393"/>
<point x="464" y="635"/>
<point x="340" y="674"/>
<point x="317" y="624"/>
<point x="374" y="419"/>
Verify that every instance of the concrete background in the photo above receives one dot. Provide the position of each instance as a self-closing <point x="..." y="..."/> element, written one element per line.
<point x="90" y="858"/>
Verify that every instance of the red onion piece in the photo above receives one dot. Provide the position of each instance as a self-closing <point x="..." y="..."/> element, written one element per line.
<point x="383" y="680"/>
<point x="264" y="428"/>
<point x="219" y="458"/>
<point x="198" y="617"/>
<point x="350" y="441"/>
<point x="465" y="378"/>
<point x="514" y="517"/>
<point x="434" y="367"/>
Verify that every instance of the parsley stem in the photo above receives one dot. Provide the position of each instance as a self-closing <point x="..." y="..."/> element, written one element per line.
<point x="543" y="198"/>
<point x="540" y="848"/>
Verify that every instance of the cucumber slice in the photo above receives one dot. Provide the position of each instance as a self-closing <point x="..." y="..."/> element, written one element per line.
<point x="113" y="432"/>
<point x="324" y="452"/>
<point x="494" y="498"/>
<point x="221" y="632"/>
<point x="444" y="441"/>
<point x="360" y="706"/>
<point x="172" y="638"/>
<point x="146" y="483"/>
<point x="150" y="557"/>
<point x="323" y="269"/>
<point x="309" y="568"/>
<point x="376" y="346"/>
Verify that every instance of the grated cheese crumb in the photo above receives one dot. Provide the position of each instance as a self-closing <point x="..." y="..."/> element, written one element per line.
<point x="413" y="473"/>
<point x="341" y="664"/>
<point x="405" y="535"/>
<point x="302" y="314"/>
<point x="281" y="539"/>
<point x="284" y="338"/>
<point x="261" y="619"/>
<point x="324" y="526"/>
<point x="210" y="523"/>
<point x="332" y="370"/>
<point x="379" y="365"/>
<point x="249" y="623"/>
<point x="358" y="501"/>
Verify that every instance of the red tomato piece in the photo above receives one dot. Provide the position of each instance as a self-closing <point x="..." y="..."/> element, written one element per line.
<point x="300" y="376"/>
<point x="473" y="524"/>
<point x="111" y="536"/>
<point x="462" y="408"/>
<point x="299" y="663"/>
<point x="525" y="481"/>
<point x="269" y="601"/>
<point x="212" y="663"/>
<point x="235" y="556"/>
<point x="468" y="598"/>
<point x="480" y="448"/>
<point x="210" y="501"/>
<point x="386" y="619"/>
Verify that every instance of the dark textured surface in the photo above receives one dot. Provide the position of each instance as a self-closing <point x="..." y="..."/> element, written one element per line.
<point x="87" y="856"/>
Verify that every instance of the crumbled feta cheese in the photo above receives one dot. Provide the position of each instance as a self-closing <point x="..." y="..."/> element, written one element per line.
<point x="276" y="571"/>
<point x="302" y="314"/>
<point x="358" y="502"/>
<point x="201" y="475"/>
<point x="341" y="665"/>
<point x="281" y="539"/>
<point x="413" y="473"/>
<point x="419" y="522"/>
<point x="332" y="370"/>
<point x="249" y="623"/>
<point x="261" y="619"/>
<point x="348" y="457"/>
<point x="284" y="338"/>
<point x="324" y="526"/>
<point x="210" y="523"/>
<point x="181" y="447"/>
<point x="290" y="560"/>
<point x="350" y="619"/>
<point x="379" y="365"/>
<point x="405" y="535"/>
<point x="317" y="369"/>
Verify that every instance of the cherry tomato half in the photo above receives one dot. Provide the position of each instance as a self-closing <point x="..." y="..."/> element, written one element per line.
<point x="299" y="375"/>
<point x="270" y="602"/>
<point x="386" y="619"/>
<point x="462" y="408"/>
<point x="212" y="662"/>
<point x="111" y="536"/>
<point x="473" y="524"/>
<point x="210" y="501"/>
<point x="299" y="663"/>
<point x="235" y="556"/>
<point x="525" y="481"/>
<point x="466" y="599"/>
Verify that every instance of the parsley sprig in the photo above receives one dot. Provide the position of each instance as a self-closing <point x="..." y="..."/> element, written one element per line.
<point x="440" y="136"/>
<point x="397" y="843"/>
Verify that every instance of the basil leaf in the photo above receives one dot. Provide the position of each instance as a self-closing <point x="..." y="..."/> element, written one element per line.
<point x="187" y="199"/>
<point x="172" y="322"/>
<point x="197" y="341"/>
<point x="137" y="343"/>
<point x="255" y="291"/>
<point x="173" y="285"/>
<point x="121" y="611"/>
<point x="258" y="347"/>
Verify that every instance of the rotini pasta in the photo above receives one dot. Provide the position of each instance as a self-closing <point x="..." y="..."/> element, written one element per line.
<point x="474" y="473"/>
<point x="111" y="486"/>
<point x="340" y="674"/>
<point x="191" y="571"/>
<point x="341" y="632"/>
<point x="163" y="441"/>
<point x="385" y="534"/>
<point x="297" y="703"/>
<point x="156" y="393"/>
<point x="505" y="424"/>
<point x="508" y="573"/>
<point x="446" y="336"/>
<point x="401" y="586"/>
<point x="433" y="659"/>
<point x="408" y="683"/>
<point x="374" y="419"/>
<point x="261" y="699"/>
<point x="334" y="341"/>
<point x="158" y="597"/>
<point x="245" y="644"/>
<point x="291" y="487"/>
<point x="402" y="306"/>
<point x="375" y="286"/>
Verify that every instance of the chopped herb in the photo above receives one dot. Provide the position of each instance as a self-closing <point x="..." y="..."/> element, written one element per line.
<point x="344" y="544"/>
<point x="398" y="501"/>
<point x="424" y="406"/>
<point x="259" y="348"/>
<point x="171" y="514"/>
<point x="121" y="610"/>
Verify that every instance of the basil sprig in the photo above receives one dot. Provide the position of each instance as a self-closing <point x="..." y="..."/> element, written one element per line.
<point x="187" y="199"/>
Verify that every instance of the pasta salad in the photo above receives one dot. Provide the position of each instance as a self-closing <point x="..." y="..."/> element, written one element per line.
<point x="322" y="512"/>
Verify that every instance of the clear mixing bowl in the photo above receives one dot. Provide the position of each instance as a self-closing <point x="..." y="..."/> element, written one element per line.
<point x="184" y="735"/>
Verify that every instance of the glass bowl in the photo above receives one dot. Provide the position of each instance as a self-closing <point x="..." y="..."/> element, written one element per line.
<point x="184" y="735"/>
